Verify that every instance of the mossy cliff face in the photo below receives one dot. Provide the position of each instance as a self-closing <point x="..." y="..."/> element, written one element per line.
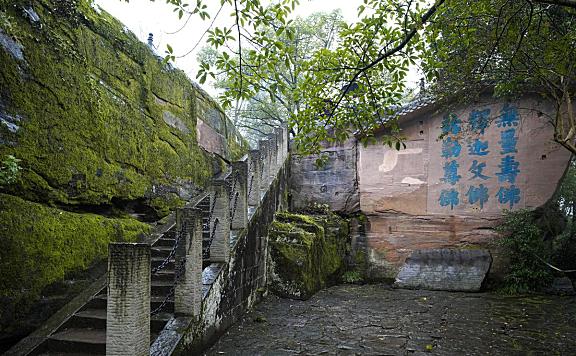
<point x="94" y="116"/>
<point x="308" y="253"/>
<point x="99" y="124"/>
<point x="40" y="245"/>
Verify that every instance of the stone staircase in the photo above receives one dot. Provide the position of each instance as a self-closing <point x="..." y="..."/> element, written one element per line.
<point x="185" y="258"/>
<point x="84" y="333"/>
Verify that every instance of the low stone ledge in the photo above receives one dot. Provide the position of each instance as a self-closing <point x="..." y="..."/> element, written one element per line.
<point x="445" y="269"/>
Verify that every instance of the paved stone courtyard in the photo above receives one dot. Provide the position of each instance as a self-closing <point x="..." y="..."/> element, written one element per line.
<point x="378" y="320"/>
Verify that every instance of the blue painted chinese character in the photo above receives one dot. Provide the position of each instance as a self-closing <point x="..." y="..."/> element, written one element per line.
<point x="478" y="195"/>
<point x="476" y="170"/>
<point x="450" y="148"/>
<point x="508" y="170"/>
<point x="478" y="148"/>
<point x="509" y="195"/>
<point x="451" y="172"/>
<point x="508" y="116"/>
<point x="451" y="124"/>
<point x="479" y="120"/>
<point x="449" y="197"/>
<point x="508" y="141"/>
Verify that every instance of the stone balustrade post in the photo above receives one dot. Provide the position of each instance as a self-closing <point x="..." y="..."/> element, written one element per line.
<point x="264" y="147"/>
<point x="286" y="140"/>
<point x="280" y="145"/>
<point x="188" y="291"/>
<point x="128" y="302"/>
<point x="273" y="155"/>
<point x="220" y="226"/>
<point x="239" y="201"/>
<point x="254" y="177"/>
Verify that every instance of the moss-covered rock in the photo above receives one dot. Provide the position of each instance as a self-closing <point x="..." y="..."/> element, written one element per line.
<point x="99" y="124"/>
<point x="308" y="253"/>
<point x="40" y="245"/>
<point x="94" y="115"/>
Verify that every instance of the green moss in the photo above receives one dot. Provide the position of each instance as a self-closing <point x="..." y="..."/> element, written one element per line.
<point x="307" y="252"/>
<point x="162" y="205"/>
<point x="40" y="245"/>
<point x="92" y="99"/>
<point x="300" y="218"/>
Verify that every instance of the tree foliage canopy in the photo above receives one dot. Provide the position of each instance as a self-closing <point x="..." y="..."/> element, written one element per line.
<point x="274" y="101"/>
<point x="354" y="85"/>
<point x="513" y="46"/>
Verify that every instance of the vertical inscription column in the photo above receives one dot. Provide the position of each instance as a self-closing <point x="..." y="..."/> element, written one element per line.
<point x="254" y="176"/>
<point x="220" y="247"/>
<point x="188" y="292"/>
<point x="128" y="308"/>
<point x="239" y="202"/>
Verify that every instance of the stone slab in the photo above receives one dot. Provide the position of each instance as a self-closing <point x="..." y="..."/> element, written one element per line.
<point x="445" y="269"/>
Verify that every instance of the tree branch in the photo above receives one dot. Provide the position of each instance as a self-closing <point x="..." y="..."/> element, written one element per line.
<point x="564" y="3"/>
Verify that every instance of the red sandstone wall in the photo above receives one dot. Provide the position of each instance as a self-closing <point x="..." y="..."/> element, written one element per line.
<point x="432" y="194"/>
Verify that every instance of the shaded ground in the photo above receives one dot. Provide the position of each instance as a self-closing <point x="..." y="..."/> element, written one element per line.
<point x="377" y="320"/>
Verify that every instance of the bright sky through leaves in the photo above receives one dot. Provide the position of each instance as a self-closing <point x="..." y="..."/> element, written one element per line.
<point x="143" y="17"/>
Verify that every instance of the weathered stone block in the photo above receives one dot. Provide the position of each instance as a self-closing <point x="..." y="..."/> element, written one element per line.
<point x="561" y="286"/>
<point x="307" y="253"/>
<point x="445" y="269"/>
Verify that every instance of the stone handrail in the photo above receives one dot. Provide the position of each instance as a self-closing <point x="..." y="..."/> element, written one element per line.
<point x="232" y="196"/>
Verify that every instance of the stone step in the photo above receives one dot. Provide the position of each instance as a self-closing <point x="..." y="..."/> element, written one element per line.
<point x="157" y="261"/>
<point x="161" y="288"/>
<point x="164" y="242"/>
<point x="101" y="301"/>
<point x="161" y="251"/>
<point x="77" y="340"/>
<point x="95" y="319"/>
<point x="164" y="275"/>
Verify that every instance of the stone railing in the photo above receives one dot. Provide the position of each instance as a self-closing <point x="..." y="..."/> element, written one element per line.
<point x="206" y="231"/>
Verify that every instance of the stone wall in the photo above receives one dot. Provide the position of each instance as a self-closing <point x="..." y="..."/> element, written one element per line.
<point x="239" y="284"/>
<point x="457" y="174"/>
<point x="335" y="183"/>
<point x="447" y="188"/>
<point x="234" y="284"/>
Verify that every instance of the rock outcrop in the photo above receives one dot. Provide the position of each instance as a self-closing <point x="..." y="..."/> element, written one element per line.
<point x="94" y="115"/>
<point x="308" y="253"/>
<point x="104" y="131"/>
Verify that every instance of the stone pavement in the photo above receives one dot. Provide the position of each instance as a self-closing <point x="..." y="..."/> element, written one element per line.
<point x="378" y="320"/>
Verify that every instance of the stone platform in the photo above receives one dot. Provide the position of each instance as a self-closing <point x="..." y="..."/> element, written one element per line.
<point x="379" y="320"/>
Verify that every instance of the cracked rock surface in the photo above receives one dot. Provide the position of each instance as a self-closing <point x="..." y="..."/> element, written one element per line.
<point x="378" y="320"/>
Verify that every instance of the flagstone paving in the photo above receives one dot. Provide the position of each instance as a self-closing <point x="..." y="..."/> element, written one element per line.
<point x="379" y="320"/>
